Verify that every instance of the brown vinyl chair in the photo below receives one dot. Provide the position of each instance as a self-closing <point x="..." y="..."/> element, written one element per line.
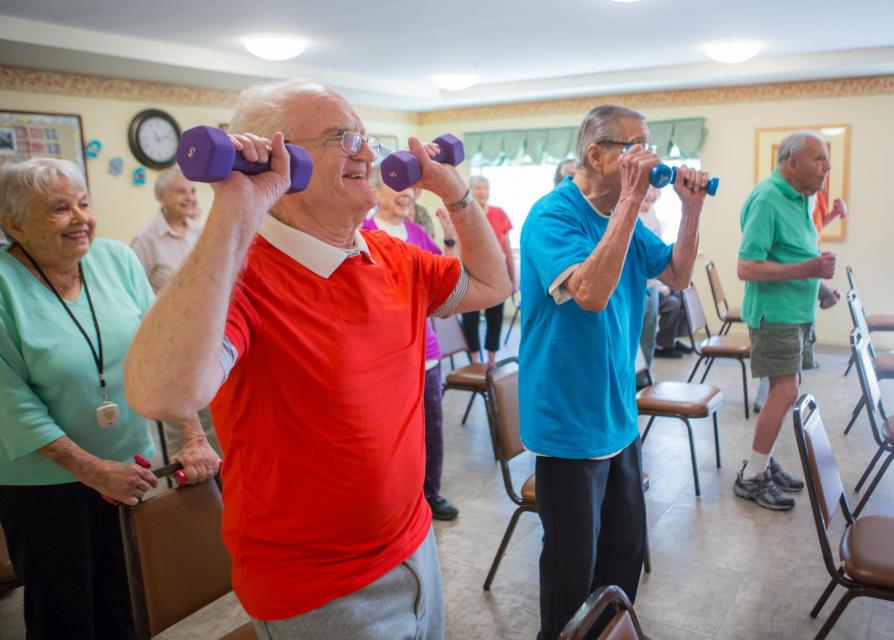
<point x="882" y="425"/>
<point x="8" y="578"/>
<point x="869" y="323"/>
<point x="727" y="347"/>
<point x="503" y="417"/>
<point x="468" y="378"/>
<point x="883" y="363"/>
<point x="866" y="564"/>
<point x="175" y="556"/>
<point x="623" y="625"/>
<point x="503" y="414"/>
<point x="728" y="315"/>
<point x="681" y="400"/>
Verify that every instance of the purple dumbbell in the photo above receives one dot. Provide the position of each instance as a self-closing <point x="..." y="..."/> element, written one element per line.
<point x="401" y="169"/>
<point x="207" y="154"/>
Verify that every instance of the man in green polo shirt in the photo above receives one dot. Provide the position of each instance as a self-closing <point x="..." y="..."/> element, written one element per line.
<point x="781" y="266"/>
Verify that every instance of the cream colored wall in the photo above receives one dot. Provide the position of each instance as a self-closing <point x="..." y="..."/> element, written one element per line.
<point x="729" y="154"/>
<point x="121" y="207"/>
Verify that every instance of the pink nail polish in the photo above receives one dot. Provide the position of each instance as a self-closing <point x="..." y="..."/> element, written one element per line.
<point x="180" y="478"/>
<point x="140" y="460"/>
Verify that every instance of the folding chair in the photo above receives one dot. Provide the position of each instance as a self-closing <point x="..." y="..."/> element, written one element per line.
<point x="728" y="315"/>
<point x="468" y="378"/>
<point x="866" y="564"/>
<point x="176" y="560"/>
<point x="869" y="323"/>
<point x="730" y="347"/>
<point x="623" y="625"/>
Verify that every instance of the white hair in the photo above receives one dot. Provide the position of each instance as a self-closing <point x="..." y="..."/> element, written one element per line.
<point x="601" y="124"/>
<point x="164" y="180"/>
<point x="265" y="109"/>
<point x="479" y="179"/>
<point x="792" y="144"/>
<point x="21" y="182"/>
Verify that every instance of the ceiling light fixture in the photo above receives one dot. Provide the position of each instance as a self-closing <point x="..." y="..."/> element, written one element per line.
<point x="275" y="47"/>
<point x="454" y="81"/>
<point x="732" y="51"/>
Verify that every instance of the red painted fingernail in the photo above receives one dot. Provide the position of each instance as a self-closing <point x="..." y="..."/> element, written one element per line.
<point x="109" y="500"/>
<point x="140" y="460"/>
<point x="180" y="477"/>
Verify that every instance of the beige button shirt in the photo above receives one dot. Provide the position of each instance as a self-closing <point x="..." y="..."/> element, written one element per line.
<point x="162" y="250"/>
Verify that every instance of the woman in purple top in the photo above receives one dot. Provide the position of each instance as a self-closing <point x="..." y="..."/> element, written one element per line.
<point x="392" y="216"/>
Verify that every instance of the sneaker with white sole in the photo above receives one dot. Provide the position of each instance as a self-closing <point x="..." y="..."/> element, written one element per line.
<point x="762" y="490"/>
<point x="783" y="479"/>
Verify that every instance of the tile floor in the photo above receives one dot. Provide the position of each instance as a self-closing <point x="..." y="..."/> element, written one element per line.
<point x="721" y="567"/>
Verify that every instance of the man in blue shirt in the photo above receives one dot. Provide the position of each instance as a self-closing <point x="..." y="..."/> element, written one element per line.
<point x="585" y="262"/>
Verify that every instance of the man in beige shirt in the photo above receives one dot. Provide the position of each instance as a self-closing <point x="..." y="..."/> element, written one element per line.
<point x="161" y="246"/>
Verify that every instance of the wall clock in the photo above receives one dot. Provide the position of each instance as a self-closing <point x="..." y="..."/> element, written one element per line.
<point x="153" y="137"/>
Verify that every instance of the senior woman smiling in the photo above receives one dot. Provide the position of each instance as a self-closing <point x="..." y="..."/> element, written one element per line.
<point x="69" y="307"/>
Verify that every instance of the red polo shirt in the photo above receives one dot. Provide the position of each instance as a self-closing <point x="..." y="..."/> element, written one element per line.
<point x="321" y="421"/>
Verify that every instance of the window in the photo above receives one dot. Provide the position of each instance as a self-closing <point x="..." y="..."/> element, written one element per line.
<point x="667" y="208"/>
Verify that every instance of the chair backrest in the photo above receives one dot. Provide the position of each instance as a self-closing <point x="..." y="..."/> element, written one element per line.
<point x="175" y="556"/>
<point x="869" y="382"/>
<point x="695" y="313"/>
<point x="716" y="289"/>
<point x="820" y="472"/>
<point x="450" y="336"/>
<point x="623" y="625"/>
<point x="858" y="318"/>
<point x="851" y="279"/>
<point x="502" y="395"/>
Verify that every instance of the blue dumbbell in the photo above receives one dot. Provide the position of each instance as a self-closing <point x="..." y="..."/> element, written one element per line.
<point x="663" y="175"/>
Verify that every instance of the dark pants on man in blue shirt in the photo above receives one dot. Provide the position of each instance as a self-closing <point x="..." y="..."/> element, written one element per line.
<point x="594" y="523"/>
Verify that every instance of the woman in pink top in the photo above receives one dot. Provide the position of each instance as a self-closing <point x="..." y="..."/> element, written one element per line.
<point x="392" y="216"/>
<point x="499" y="222"/>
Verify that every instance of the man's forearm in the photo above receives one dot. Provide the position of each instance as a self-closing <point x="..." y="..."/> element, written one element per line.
<point x="678" y="273"/>
<point x="768" y="271"/>
<point x="172" y="369"/>
<point x="594" y="282"/>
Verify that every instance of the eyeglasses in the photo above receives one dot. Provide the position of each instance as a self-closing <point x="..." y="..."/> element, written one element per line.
<point x="648" y="146"/>
<point x="351" y="142"/>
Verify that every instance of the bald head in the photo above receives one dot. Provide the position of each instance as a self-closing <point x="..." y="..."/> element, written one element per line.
<point x="293" y="107"/>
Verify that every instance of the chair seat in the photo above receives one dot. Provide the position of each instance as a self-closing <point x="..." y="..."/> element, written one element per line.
<point x="728" y="346"/>
<point x="245" y="632"/>
<point x="880" y="322"/>
<point x="471" y="376"/>
<point x="884" y="365"/>
<point x="733" y="314"/>
<point x="866" y="551"/>
<point x="679" y="398"/>
<point x="527" y="491"/>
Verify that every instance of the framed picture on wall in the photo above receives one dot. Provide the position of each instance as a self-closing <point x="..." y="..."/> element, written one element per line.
<point x="29" y="134"/>
<point x="838" y="143"/>
<point x="388" y="144"/>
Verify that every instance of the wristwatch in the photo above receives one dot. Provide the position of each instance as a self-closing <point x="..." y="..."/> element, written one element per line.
<point x="462" y="204"/>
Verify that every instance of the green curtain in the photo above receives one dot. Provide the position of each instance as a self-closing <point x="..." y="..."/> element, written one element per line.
<point x="549" y="146"/>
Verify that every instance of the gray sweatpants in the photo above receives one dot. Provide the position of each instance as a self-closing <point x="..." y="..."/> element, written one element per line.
<point x="406" y="603"/>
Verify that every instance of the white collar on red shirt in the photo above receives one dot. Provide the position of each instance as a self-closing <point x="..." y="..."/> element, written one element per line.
<point x="314" y="254"/>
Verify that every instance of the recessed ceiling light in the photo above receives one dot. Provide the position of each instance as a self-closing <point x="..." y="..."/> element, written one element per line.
<point x="275" y="47"/>
<point x="454" y="81"/>
<point x="732" y="51"/>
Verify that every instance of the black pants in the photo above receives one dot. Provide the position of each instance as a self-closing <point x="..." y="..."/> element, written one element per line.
<point x="594" y="525"/>
<point x="494" y="318"/>
<point x="65" y="545"/>
<point x="672" y="323"/>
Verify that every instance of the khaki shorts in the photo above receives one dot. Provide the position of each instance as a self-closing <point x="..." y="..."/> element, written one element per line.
<point x="781" y="349"/>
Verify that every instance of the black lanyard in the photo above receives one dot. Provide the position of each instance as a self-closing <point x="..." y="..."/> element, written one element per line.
<point x="97" y="356"/>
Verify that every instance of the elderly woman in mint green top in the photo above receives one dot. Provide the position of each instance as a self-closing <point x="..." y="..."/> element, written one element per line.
<point x="69" y="307"/>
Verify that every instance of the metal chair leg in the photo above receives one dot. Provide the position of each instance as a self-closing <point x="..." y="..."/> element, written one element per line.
<point x="647" y="557"/>
<point x="850" y="363"/>
<point x="823" y="598"/>
<point x="874" y="484"/>
<point x="716" y="441"/>
<point x="648" y="426"/>
<point x="469" y="407"/>
<point x="698" y="490"/>
<point x="707" y="370"/>
<point x="855" y="414"/>
<point x="745" y="387"/>
<point x="725" y="327"/>
<point x="865" y="476"/>
<point x="502" y="550"/>
<point x="695" y="368"/>
<point x="836" y="613"/>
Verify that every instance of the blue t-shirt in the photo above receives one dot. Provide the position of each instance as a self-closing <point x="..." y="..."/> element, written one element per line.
<point x="577" y="390"/>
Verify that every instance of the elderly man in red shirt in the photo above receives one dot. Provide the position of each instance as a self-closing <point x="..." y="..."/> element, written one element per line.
<point x="303" y="327"/>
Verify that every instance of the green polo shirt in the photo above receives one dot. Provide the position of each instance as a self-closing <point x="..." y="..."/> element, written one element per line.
<point x="776" y="227"/>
